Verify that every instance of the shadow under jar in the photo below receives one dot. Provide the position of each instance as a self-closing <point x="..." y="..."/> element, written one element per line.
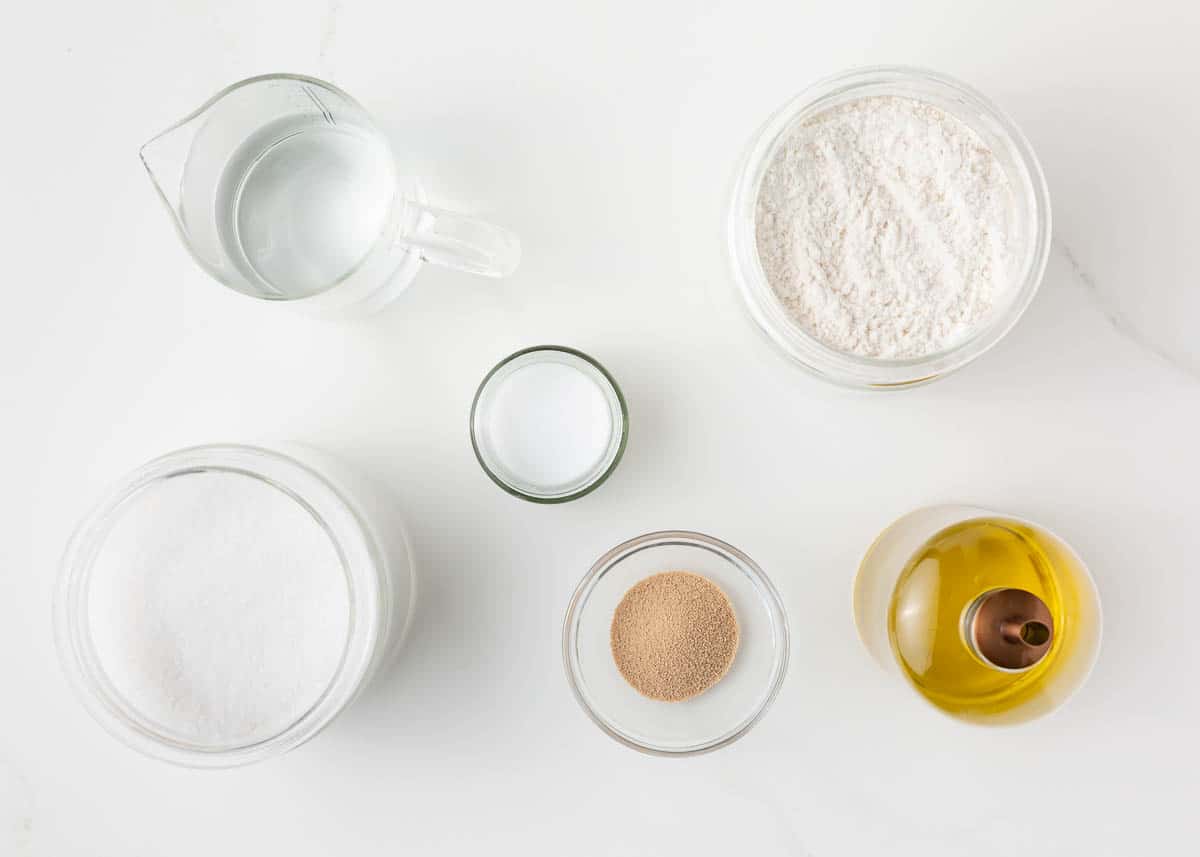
<point x="1028" y="241"/>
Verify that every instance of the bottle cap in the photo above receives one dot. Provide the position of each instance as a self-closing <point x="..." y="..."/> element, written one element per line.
<point x="1010" y="629"/>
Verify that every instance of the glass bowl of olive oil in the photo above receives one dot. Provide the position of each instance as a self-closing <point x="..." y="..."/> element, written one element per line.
<point x="990" y="618"/>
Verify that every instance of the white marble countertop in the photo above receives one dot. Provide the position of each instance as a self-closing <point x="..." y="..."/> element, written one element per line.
<point x="606" y="134"/>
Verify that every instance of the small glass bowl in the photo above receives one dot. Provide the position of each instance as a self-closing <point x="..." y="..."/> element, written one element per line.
<point x="720" y="715"/>
<point x="1031" y="239"/>
<point x="514" y="483"/>
<point x="373" y="588"/>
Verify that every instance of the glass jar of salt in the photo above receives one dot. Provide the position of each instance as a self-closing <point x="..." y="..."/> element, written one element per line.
<point x="549" y="424"/>
<point x="225" y="603"/>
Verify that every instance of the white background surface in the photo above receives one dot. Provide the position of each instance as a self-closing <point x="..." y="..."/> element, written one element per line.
<point x="606" y="134"/>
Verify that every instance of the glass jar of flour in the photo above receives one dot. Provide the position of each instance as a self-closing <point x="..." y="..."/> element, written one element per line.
<point x="888" y="226"/>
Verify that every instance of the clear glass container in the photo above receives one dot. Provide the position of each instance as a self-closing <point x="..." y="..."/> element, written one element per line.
<point x="378" y="576"/>
<point x="724" y="712"/>
<point x="921" y="585"/>
<point x="494" y="427"/>
<point x="283" y="188"/>
<point x="1031" y="240"/>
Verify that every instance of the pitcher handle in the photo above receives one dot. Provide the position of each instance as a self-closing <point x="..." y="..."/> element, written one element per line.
<point x="460" y="242"/>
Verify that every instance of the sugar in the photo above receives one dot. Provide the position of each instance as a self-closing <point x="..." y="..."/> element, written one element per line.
<point x="550" y="425"/>
<point x="218" y="608"/>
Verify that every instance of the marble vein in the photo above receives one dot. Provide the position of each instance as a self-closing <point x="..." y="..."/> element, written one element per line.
<point x="1117" y="319"/>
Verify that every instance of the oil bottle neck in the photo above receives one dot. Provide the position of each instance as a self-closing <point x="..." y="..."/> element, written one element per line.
<point x="1009" y="629"/>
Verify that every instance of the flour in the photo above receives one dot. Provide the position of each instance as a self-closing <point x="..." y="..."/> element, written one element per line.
<point x="218" y="608"/>
<point x="883" y="226"/>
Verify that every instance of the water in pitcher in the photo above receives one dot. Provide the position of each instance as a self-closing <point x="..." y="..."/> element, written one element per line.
<point x="302" y="202"/>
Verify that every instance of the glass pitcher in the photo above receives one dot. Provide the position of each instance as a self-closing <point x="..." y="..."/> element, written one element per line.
<point x="283" y="188"/>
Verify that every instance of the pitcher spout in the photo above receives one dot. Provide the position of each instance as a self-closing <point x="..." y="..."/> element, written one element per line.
<point x="165" y="158"/>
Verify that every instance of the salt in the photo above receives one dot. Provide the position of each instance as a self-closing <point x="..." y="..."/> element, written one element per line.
<point x="218" y="608"/>
<point x="549" y="425"/>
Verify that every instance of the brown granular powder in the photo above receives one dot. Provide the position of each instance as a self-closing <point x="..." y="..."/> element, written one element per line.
<point x="674" y="635"/>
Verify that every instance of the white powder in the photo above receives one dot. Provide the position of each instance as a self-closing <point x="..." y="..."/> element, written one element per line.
<point x="218" y="608"/>
<point x="883" y="225"/>
<point x="549" y="425"/>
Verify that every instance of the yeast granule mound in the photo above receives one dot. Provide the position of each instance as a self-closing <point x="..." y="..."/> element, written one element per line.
<point x="674" y="635"/>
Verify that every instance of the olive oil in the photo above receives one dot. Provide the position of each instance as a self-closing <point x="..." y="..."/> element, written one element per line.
<point x="944" y="581"/>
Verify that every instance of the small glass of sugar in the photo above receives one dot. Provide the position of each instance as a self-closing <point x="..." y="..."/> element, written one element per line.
<point x="549" y="424"/>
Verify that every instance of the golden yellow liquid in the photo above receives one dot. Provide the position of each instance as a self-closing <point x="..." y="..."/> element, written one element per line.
<point x="945" y="577"/>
